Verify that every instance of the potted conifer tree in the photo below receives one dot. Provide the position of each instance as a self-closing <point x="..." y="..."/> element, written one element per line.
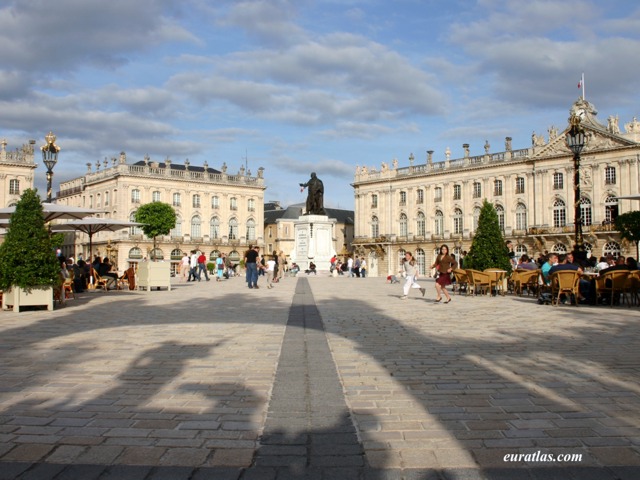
<point x="28" y="266"/>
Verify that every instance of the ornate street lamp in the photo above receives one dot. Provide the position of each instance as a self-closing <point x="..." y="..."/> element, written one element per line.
<point x="50" y="158"/>
<point x="576" y="140"/>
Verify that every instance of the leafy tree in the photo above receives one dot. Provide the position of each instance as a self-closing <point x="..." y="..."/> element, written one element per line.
<point x="27" y="256"/>
<point x="158" y="218"/>
<point x="628" y="224"/>
<point x="488" y="248"/>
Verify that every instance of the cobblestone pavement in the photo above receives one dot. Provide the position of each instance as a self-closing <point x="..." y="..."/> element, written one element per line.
<point x="318" y="378"/>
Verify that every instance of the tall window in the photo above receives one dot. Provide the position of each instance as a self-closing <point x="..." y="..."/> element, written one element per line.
<point x="421" y="225"/>
<point x="520" y="185"/>
<point x="233" y="203"/>
<point x="176" y="200"/>
<point x="520" y="250"/>
<point x="403" y="198"/>
<point x="477" y="190"/>
<point x="476" y="218"/>
<point x="14" y="187"/>
<point x="107" y="196"/>
<point x="214" y="228"/>
<point x="155" y="196"/>
<point x="374" y="201"/>
<point x="251" y="205"/>
<point x="500" y="213"/>
<point x="420" y="195"/>
<point x="135" y="196"/>
<point x="497" y="188"/>
<point x="403" y="225"/>
<point x="611" y="209"/>
<point x="559" y="213"/>
<point x="196" y="231"/>
<point x="457" y="221"/>
<point x="195" y="201"/>
<point x="251" y="229"/>
<point x="134" y="230"/>
<point x="439" y="223"/>
<point x="521" y="217"/>
<point x="375" y="227"/>
<point x="457" y="192"/>
<point x="437" y="194"/>
<point x="585" y="211"/>
<point x="233" y="229"/>
<point x="177" y="230"/>
<point x="215" y="202"/>
<point x="610" y="175"/>
<point x="421" y="261"/>
<point x="558" y="181"/>
<point x="400" y="257"/>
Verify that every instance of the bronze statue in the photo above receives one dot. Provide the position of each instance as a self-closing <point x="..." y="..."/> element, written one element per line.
<point x="315" y="197"/>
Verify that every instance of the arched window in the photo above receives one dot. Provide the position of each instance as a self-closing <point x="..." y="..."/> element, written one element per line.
<point x="457" y="221"/>
<point x="214" y="228"/>
<point x="520" y="250"/>
<point x="177" y="230"/>
<point x="134" y="230"/>
<point x="611" y="248"/>
<point x="500" y="213"/>
<point x="476" y="218"/>
<point x="176" y="254"/>
<point x="421" y="225"/>
<point x="585" y="211"/>
<point x="375" y="227"/>
<point x="521" y="217"/>
<point x="196" y="231"/>
<point x="421" y="261"/>
<point x="251" y="229"/>
<point x="610" y="209"/>
<point x="214" y="255"/>
<point x="559" y="213"/>
<point x="588" y="248"/>
<point x="403" y="225"/>
<point x="233" y="229"/>
<point x="156" y="254"/>
<point x="439" y="223"/>
<point x="135" y="253"/>
<point x="234" y="256"/>
<point x="401" y="253"/>
<point x="559" y="248"/>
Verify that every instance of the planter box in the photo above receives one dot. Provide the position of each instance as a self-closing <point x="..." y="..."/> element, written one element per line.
<point x="17" y="297"/>
<point x="154" y="274"/>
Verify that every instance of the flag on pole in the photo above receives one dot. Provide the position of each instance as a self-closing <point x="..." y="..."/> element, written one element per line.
<point x="581" y="85"/>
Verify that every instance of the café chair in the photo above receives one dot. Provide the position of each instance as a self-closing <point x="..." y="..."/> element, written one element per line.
<point x="462" y="280"/>
<point x="565" y="282"/>
<point x="480" y="281"/>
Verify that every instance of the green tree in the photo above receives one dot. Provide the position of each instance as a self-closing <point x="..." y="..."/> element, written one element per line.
<point x="158" y="218"/>
<point x="488" y="248"/>
<point x="27" y="256"/>
<point x="628" y="224"/>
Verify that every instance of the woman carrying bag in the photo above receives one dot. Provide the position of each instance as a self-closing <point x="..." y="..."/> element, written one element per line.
<point x="444" y="264"/>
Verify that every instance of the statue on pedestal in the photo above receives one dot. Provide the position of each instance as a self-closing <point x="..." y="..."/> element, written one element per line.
<point x="315" y="196"/>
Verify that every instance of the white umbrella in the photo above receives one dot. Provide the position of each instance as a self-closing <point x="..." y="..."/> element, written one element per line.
<point x="635" y="196"/>
<point x="91" y="226"/>
<point x="53" y="211"/>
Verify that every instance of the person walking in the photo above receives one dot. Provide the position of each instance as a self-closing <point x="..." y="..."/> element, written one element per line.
<point x="251" y="263"/>
<point x="410" y="271"/>
<point x="193" y="267"/>
<point x="219" y="268"/>
<point x="444" y="265"/>
<point x="185" y="265"/>
<point x="202" y="266"/>
<point x="363" y="267"/>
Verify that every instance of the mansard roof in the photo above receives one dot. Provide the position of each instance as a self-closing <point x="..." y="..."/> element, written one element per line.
<point x="177" y="166"/>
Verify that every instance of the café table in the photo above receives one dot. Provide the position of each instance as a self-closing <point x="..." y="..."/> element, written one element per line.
<point x="498" y="279"/>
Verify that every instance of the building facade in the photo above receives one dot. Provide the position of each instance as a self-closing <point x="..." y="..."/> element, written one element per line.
<point x="16" y="172"/>
<point x="217" y="212"/>
<point x="422" y="206"/>
<point x="279" y="228"/>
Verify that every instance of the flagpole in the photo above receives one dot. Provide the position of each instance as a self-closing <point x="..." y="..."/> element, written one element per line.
<point x="582" y="81"/>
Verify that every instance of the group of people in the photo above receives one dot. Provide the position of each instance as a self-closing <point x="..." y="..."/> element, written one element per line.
<point x="193" y="267"/>
<point x="272" y="268"/>
<point x="444" y="265"/>
<point x="81" y="272"/>
<point x="351" y="266"/>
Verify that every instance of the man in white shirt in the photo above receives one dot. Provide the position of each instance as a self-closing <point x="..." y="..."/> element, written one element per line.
<point x="271" y="268"/>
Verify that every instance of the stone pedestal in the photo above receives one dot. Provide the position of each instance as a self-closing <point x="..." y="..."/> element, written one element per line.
<point x="313" y="242"/>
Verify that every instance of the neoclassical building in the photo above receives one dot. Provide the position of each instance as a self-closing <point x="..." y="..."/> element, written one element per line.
<point x="16" y="172"/>
<point x="217" y="211"/>
<point x="421" y="206"/>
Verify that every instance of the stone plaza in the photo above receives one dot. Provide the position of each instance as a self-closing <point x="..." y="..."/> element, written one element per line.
<point x="318" y="377"/>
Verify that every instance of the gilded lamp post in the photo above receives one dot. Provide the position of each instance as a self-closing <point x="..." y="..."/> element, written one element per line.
<point x="576" y="139"/>
<point x="50" y="158"/>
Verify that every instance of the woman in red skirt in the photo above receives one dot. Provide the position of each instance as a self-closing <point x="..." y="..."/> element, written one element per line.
<point x="444" y="264"/>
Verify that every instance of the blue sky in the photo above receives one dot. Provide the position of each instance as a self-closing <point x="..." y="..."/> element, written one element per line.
<point x="301" y="86"/>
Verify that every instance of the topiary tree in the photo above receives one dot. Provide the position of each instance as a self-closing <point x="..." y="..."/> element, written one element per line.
<point x="628" y="224"/>
<point x="488" y="248"/>
<point x="27" y="256"/>
<point x="158" y="218"/>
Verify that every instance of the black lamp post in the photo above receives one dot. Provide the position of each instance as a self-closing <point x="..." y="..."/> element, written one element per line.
<point x="50" y="158"/>
<point x="576" y="140"/>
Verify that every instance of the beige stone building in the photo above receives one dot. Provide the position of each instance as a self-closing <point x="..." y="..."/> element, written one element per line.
<point x="217" y="211"/>
<point x="423" y="205"/>
<point x="16" y="172"/>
